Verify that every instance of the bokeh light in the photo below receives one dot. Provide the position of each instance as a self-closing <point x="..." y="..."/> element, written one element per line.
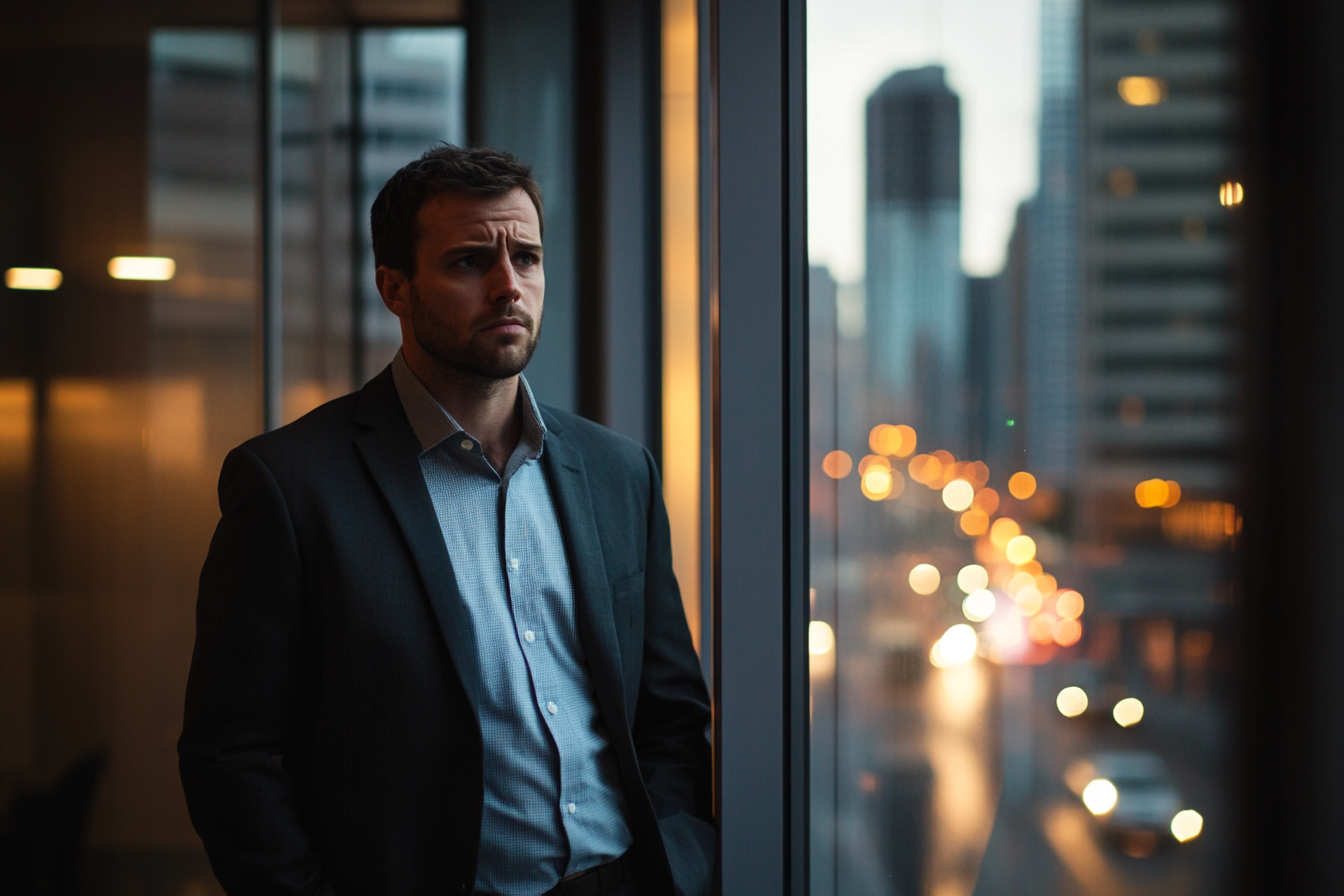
<point x="1231" y="194"/>
<point x="1068" y="632"/>
<point x="1022" y="485"/>
<point x="1020" y="549"/>
<point x="876" y="483"/>
<point x="958" y="494"/>
<point x="1069" y="604"/>
<point x="1029" y="602"/>
<point x="972" y="577"/>
<point x="1071" y="702"/>
<point x="1186" y="825"/>
<point x="1100" y="796"/>
<point x="924" y="468"/>
<point x="1151" y="493"/>
<point x="1046" y="584"/>
<point x="925" y="578"/>
<point x="820" y="638"/>
<point x="957" y="645"/>
<point x="873" y="460"/>
<point x="979" y="605"/>
<point x="884" y="439"/>
<point x="1139" y="90"/>
<point x="1019" y="581"/>
<point x="974" y="522"/>
<point x="1003" y="531"/>
<point x="837" y="464"/>
<point x="987" y="500"/>
<point x="1128" y="712"/>
<point x="1041" y="629"/>
<point x="1173" y="494"/>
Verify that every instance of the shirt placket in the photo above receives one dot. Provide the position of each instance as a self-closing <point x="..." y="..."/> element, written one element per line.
<point x="525" y="581"/>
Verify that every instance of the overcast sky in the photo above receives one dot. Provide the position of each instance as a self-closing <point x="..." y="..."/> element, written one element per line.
<point x="991" y="51"/>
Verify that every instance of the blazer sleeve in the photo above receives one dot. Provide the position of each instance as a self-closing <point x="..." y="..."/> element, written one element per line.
<point x="672" y="714"/>
<point x="246" y="692"/>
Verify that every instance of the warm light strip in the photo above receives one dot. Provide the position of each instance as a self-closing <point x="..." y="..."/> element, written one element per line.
<point x="681" y="303"/>
<point x="132" y="267"/>
<point x="32" y="278"/>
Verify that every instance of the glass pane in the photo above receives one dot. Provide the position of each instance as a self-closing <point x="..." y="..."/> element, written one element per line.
<point x="412" y="95"/>
<point x="127" y="371"/>
<point x="315" y="215"/>
<point x="1022" y="218"/>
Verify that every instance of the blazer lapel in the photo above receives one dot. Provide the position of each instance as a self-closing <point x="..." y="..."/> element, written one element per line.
<point x="592" y="592"/>
<point x="391" y="451"/>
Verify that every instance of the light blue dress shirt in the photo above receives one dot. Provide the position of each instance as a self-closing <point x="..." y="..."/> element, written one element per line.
<point x="553" y="799"/>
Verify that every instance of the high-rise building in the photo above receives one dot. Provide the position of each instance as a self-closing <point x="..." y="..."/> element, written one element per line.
<point x="1052" y="299"/>
<point x="916" y="292"/>
<point x="1158" y="348"/>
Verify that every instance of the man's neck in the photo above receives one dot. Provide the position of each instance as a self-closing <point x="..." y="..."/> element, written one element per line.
<point x="488" y="410"/>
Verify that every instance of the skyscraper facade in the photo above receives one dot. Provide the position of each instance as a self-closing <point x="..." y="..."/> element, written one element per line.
<point x="1052" y="299"/>
<point x="1158" y="359"/>
<point x="916" y="292"/>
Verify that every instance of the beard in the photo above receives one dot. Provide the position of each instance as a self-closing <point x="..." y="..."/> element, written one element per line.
<point x="471" y="356"/>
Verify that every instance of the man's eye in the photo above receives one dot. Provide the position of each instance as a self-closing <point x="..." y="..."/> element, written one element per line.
<point x="526" y="258"/>
<point x="469" y="261"/>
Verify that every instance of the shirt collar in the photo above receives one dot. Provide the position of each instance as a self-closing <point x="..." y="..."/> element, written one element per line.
<point x="432" y="424"/>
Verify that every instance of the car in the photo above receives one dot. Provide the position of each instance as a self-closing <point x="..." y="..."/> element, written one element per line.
<point x="1131" y="795"/>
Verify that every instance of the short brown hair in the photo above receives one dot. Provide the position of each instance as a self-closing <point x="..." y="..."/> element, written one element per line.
<point x="443" y="170"/>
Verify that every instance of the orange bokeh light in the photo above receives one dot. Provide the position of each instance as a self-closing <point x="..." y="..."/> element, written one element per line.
<point x="1157" y="493"/>
<point x="1069" y="604"/>
<point x="1022" y="485"/>
<point x="1041" y="629"/>
<point x="1067" y="632"/>
<point x="974" y="522"/>
<point x="1003" y="531"/>
<point x="987" y="500"/>
<point x="837" y="464"/>
<point x="885" y="439"/>
<point x="873" y="460"/>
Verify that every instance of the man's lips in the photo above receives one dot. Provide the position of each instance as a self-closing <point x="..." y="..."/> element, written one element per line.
<point x="510" y="326"/>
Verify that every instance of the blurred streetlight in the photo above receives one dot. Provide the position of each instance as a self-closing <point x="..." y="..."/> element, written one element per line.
<point x="925" y="578"/>
<point x="1100" y="796"/>
<point x="1128" y="712"/>
<point x="979" y="605"/>
<point x="972" y="577"/>
<point x="1186" y="825"/>
<point x="1071" y="702"/>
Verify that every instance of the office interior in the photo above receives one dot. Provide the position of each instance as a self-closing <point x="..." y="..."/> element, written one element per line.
<point x="773" y="273"/>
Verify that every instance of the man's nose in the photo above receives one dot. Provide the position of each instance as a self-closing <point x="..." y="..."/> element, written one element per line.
<point x="503" y="281"/>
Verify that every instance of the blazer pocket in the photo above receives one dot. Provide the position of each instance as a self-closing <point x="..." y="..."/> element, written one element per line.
<point x="627" y="604"/>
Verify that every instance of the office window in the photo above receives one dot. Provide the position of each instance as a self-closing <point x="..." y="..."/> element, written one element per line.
<point x="1023" y="226"/>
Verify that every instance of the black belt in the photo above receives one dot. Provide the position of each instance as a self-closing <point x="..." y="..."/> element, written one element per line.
<point x="602" y="880"/>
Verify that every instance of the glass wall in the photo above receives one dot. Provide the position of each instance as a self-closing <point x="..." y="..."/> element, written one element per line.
<point x="127" y="371"/>
<point x="130" y="364"/>
<point x="1024" y="412"/>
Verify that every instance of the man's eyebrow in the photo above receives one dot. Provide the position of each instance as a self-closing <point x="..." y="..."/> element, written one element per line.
<point x="489" y="246"/>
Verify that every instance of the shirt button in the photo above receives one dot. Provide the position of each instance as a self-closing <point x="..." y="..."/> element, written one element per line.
<point x="467" y="445"/>
<point x="514" y="562"/>
<point x="529" y="636"/>
<point x="552" y="708"/>
<point x="572" y="808"/>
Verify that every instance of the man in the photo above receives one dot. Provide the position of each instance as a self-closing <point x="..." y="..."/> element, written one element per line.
<point x="440" y="648"/>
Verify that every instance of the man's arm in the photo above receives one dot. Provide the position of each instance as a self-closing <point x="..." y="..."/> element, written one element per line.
<point x="673" y="714"/>
<point x="246" y="692"/>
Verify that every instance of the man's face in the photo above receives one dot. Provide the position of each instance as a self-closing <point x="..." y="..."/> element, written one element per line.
<point x="475" y="302"/>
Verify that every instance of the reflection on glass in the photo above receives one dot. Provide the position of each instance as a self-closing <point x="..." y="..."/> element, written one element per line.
<point x="412" y="95"/>
<point x="1028" y="685"/>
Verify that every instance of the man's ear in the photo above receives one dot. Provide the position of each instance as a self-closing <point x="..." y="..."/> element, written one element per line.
<point x="395" y="290"/>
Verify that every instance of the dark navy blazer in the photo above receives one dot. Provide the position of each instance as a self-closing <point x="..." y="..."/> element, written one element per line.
<point x="331" y="742"/>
